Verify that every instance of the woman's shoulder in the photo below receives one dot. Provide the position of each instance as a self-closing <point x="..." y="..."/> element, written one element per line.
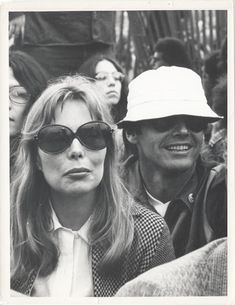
<point x="147" y="222"/>
<point x="152" y="239"/>
<point x="142" y="211"/>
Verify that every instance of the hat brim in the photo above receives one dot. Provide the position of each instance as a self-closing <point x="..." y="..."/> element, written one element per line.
<point x="152" y="110"/>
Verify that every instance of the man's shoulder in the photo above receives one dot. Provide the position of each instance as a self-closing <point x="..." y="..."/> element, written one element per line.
<point x="220" y="171"/>
<point x="215" y="172"/>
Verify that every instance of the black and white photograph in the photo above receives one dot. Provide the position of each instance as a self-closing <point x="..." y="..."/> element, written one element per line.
<point x="118" y="149"/>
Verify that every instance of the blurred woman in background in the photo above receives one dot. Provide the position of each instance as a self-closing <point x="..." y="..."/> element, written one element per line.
<point x="111" y="79"/>
<point x="27" y="79"/>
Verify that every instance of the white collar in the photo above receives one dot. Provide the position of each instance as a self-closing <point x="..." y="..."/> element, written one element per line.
<point x="158" y="205"/>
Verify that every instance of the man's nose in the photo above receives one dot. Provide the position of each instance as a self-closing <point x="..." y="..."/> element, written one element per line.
<point x="181" y="127"/>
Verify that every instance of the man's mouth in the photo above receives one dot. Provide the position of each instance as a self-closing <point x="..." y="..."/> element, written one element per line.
<point x="178" y="148"/>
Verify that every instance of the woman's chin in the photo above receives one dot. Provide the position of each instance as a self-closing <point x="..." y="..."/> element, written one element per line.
<point x="13" y="132"/>
<point x="113" y="101"/>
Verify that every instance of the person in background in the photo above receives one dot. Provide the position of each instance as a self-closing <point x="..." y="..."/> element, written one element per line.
<point x="62" y="41"/>
<point x="164" y="127"/>
<point x="216" y="148"/>
<point x="170" y="51"/>
<point x="215" y="66"/>
<point x="71" y="216"/>
<point x="202" y="272"/>
<point x="222" y="64"/>
<point x="27" y="79"/>
<point x="111" y="79"/>
<point x="215" y="72"/>
<point x="211" y="74"/>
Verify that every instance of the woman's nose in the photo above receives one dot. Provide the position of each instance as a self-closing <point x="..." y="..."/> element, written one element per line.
<point x="76" y="150"/>
<point x="10" y="104"/>
<point x="110" y="80"/>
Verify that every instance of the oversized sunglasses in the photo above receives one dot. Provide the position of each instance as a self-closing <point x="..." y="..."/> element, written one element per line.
<point x="54" y="139"/>
<point x="194" y="124"/>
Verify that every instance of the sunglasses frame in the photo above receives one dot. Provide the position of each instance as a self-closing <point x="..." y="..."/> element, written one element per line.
<point x="36" y="137"/>
<point x="16" y="102"/>
<point x="122" y="76"/>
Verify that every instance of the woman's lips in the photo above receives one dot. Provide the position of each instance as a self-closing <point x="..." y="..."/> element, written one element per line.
<point x="112" y="93"/>
<point x="79" y="172"/>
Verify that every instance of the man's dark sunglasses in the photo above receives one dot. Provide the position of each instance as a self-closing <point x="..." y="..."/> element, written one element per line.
<point x="54" y="139"/>
<point x="193" y="123"/>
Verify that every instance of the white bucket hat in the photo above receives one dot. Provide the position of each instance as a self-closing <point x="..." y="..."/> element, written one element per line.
<point x="164" y="92"/>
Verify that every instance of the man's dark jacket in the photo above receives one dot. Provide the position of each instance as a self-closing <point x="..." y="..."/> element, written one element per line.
<point x="199" y="213"/>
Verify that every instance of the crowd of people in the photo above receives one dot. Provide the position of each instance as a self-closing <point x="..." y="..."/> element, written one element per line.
<point x="117" y="186"/>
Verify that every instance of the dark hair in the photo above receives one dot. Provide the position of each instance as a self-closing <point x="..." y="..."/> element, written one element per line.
<point x="29" y="73"/>
<point x="211" y="65"/>
<point x="215" y="65"/>
<point x="130" y="128"/>
<point x="33" y="78"/>
<point x="222" y="65"/>
<point x="88" y="69"/>
<point x="219" y="97"/>
<point x="174" y="52"/>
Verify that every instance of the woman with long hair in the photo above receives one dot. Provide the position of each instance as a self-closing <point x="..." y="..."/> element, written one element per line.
<point x="111" y="80"/>
<point x="27" y="79"/>
<point x="75" y="230"/>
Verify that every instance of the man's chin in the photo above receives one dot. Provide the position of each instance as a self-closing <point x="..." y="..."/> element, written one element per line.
<point x="181" y="167"/>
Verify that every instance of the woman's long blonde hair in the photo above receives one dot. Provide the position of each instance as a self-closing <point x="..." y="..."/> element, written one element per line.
<point x="31" y="245"/>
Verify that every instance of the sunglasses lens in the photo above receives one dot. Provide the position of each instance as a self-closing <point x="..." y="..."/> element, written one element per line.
<point x="118" y="76"/>
<point x="163" y="124"/>
<point x="195" y="124"/>
<point x="54" y="139"/>
<point x="94" y="135"/>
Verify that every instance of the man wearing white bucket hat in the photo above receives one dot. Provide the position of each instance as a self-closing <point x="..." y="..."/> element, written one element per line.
<point x="164" y="129"/>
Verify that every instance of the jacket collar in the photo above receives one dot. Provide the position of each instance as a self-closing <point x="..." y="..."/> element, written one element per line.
<point x="187" y="194"/>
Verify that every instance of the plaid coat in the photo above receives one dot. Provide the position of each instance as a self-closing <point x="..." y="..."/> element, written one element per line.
<point x="151" y="247"/>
